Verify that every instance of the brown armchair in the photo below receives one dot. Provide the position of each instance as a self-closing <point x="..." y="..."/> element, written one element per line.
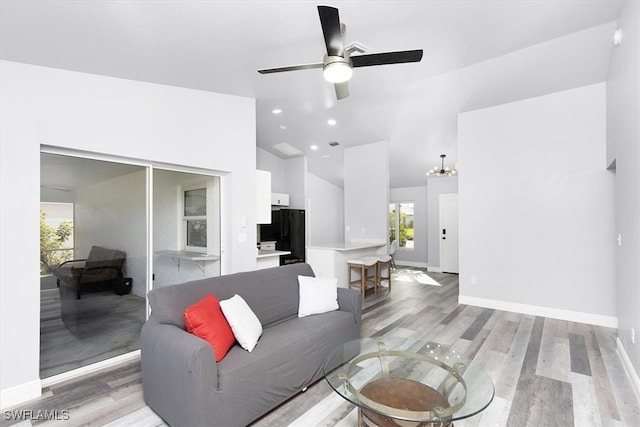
<point x="99" y="269"/>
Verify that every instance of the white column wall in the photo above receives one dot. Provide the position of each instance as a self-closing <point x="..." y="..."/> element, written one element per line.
<point x="366" y="192"/>
<point x="325" y="211"/>
<point x="623" y="146"/>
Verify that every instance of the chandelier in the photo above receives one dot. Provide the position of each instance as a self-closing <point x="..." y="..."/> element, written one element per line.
<point x="442" y="171"/>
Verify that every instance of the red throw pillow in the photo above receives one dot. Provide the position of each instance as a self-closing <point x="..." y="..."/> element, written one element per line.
<point x="205" y="319"/>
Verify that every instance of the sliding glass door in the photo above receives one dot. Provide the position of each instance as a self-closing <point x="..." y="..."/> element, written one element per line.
<point x="94" y="260"/>
<point x="100" y="253"/>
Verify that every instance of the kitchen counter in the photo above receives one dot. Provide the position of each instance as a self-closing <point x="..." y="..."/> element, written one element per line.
<point x="330" y="260"/>
<point x="348" y="246"/>
<point x="266" y="254"/>
<point x="268" y="259"/>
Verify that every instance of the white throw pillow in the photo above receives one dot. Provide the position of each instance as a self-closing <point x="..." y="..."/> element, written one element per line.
<point x="317" y="295"/>
<point x="243" y="321"/>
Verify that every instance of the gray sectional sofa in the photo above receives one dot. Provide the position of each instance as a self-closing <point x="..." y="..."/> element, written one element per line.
<point x="182" y="381"/>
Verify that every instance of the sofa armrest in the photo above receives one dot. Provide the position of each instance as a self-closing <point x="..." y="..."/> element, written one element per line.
<point x="176" y="363"/>
<point x="72" y="261"/>
<point x="350" y="300"/>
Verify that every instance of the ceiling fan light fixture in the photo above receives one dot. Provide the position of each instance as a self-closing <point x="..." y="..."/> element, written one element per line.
<point x="337" y="69"/>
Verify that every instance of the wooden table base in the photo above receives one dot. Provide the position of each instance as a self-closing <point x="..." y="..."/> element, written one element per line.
<point x="401" y="393"/>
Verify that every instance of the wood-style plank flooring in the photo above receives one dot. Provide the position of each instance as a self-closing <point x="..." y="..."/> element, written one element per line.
<point x="546" y="372"/>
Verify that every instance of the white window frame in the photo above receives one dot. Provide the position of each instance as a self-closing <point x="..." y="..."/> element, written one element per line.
<point x="212" y="185"/>
<point x="397" y="222"/>
<point x="202" y="185"/>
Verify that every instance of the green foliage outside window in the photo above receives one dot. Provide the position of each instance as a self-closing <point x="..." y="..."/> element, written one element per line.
<point x="404" y="232"/>
<point x="52" y="239"/>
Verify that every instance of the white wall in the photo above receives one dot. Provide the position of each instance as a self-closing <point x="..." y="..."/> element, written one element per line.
<point x="537" y="232"/>
<point x="623" y="146"/>
<point x="416" y="257"/>
<point x="117" y="117"/>
<point x="325" y="211"/>
<point x="436" y="186"/>
<point x="113" y="214"/>
<point x="366" y="192"/>
<point x="19" y="157"/>
<point x="296" y="175"/>
<point x="274" y="164"/>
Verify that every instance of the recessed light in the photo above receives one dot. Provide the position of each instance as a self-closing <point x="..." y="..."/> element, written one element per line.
<point x="314" y="147"/>
<point x="276" y="111"/>
<point x="617" y="37"/>
<point x="283" y="127"/>
<point x="331" y="122"/>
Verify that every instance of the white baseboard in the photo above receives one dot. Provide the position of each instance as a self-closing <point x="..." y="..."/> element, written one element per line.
<point x="434" y="269"/>
<point x="554" y="313"/>
<point x="14" y="396"/>
<point x="411" y="264"/>
<point x="19" y="395"/>
<point x="93" y="368"/>
<point x="628" y="367"/>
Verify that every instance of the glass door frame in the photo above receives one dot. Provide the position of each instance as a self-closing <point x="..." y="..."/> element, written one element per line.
<point x="149" y="167"/>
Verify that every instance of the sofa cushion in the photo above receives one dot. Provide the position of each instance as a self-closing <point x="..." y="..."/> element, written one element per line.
<point x="245" y="325"/>
<point x="205" y="319"/>
<point x="317" y="295"/>
<point x="290" y="355"/>
<point x="103" y="257"/>
<point x="272" y="293"/>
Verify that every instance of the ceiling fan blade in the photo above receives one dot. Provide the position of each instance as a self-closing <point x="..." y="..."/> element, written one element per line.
<point x="342" y="90"/>
<point x="291" y="68"/>
<point x="385" y="58"/>
<point x="330" y="21"/>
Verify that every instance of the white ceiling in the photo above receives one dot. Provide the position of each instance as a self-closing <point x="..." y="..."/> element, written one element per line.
<point x="476" y="54"/>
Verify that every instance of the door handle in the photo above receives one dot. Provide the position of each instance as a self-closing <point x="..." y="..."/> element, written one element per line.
<point x="444" y="234"/>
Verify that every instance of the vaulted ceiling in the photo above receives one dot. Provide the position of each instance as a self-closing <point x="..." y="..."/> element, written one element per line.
<point x="476" y="54"/>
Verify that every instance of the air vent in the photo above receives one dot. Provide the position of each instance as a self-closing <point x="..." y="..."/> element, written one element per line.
<point x="356" y="47"/>
<point x="334" y="143"/>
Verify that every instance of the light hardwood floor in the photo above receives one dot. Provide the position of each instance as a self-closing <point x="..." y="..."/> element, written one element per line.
<point x="547" y="372"/>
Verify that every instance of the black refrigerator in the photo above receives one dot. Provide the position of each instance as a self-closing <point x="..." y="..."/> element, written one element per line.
<point x="287" y="230"/>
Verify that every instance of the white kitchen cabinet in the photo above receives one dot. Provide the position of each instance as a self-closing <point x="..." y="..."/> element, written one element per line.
<point x="279" y="199"/>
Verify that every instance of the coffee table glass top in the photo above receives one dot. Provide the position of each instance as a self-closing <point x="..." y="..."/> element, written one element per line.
<point x="408" y="380"/>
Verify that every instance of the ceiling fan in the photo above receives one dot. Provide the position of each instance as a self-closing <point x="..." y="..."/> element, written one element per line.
<point x="338" y="63"/>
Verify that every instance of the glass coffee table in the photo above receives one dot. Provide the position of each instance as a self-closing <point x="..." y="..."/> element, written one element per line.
<point x="404" y="382"/>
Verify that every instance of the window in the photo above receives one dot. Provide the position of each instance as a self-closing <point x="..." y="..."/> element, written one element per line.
<point x="195" y="218"/>
<point x="56" y="235"/>
<point x="401" y="224"/>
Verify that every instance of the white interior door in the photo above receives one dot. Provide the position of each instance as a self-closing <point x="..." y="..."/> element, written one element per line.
<point x="449" y="233"/>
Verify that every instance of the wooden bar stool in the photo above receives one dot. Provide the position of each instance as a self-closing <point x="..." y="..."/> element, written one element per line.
<point x="363" y="265"/>
<point x="384" y="261"/>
